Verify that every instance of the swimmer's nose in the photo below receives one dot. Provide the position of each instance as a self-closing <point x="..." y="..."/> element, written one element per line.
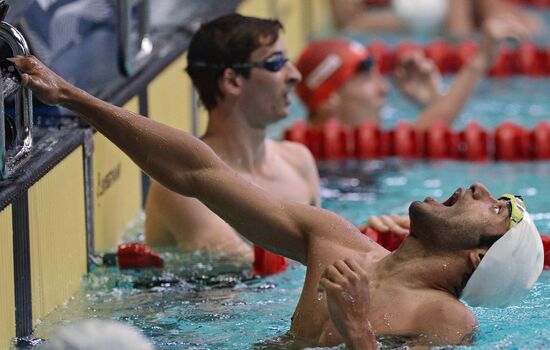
<point x="294" y="76"/>
<point x="479" y="191"/>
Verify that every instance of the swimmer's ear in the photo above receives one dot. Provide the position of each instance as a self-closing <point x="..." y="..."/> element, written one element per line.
<point x="475" y="256"/>
<point x="230" y="82"/>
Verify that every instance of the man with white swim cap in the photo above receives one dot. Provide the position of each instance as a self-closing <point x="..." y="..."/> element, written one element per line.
<point x="341" y="80"/>
<point x="511" y="266"/>
<point x="414" y="291"/>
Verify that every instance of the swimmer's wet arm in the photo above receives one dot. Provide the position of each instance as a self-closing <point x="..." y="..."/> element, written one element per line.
<point x="186" y="165"/>
<point x="155" y="147"/>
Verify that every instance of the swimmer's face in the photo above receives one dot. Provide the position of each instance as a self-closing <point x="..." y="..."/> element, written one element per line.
<point x="470" y="218"/>
<point x="265" y="95"/>
<point x="362" y="97"/>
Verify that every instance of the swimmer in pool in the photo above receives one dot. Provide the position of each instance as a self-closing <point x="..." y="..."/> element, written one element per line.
<point x="341" y="79"/>
<point x="370" y="292"/>
<point x="241" y="103"/>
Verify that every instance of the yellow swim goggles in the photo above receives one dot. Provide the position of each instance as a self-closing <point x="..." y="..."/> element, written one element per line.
<point x="516" y="208"/>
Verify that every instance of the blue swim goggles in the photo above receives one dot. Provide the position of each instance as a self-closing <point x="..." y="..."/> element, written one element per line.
<point x="273" y="63"/>
<point x="516" y="208"/>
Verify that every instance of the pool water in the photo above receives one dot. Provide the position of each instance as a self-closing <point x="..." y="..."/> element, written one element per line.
<point x="388" y="187"/>
<point x="197" y="302"/>
<point x="202" y="301"/>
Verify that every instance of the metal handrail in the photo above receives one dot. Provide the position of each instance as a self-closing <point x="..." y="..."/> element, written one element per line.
<point x="130" y="60"/>
<point x="9" y="159"/>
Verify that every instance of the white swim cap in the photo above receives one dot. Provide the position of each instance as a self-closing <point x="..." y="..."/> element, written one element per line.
<point x="421" y="15"/>
<point x="510" y="267"/>
<point x="97" y="334"/>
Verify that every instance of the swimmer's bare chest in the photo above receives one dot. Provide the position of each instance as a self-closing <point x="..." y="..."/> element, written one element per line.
<point x="311" y="317"/>
<point x="392" y="313"/>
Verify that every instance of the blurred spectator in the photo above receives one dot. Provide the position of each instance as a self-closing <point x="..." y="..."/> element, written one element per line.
<point x="457" y="18"/>
<point x="468" y="16"/>
<point x="358" y="15"/>
<point x="97" y="334"/>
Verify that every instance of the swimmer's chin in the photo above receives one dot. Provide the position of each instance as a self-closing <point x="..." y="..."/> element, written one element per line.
<point x="415" y="207"/>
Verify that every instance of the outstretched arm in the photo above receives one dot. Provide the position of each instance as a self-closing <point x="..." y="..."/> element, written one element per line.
<point x="447" y="107"/>
<point x="186" y="165"/>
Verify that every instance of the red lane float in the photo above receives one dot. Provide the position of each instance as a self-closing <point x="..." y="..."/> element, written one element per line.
<point x="546" y="245"/>
<point x="473" y="143"/>
<point x="137" y="255"/>
<point x="267" y="263"/>
<point x="388" y="240"/>
<point x="539" y="138"/>
<point x="509" y="142"/>
<point x="525" y="59"/>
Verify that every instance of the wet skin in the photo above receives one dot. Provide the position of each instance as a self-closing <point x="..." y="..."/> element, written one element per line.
<point x="413" y="291"/>
<point x="236" y="131"/>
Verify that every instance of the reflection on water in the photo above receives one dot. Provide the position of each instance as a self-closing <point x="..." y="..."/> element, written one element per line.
<point x="208" y="301"/>
<point x="198" y="301"/>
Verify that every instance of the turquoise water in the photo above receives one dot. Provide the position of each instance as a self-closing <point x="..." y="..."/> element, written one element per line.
<point x="388" y="187"/>
<point x="207" y="302"/>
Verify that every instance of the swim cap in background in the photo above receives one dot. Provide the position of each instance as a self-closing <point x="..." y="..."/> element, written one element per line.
<point x="421" y="15"/>
<point x="511" y="266"/>
<point x="97" y="334"/>
<point x="326" y="65"/>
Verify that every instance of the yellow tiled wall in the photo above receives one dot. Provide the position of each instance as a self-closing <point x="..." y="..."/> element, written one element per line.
<point x="57" y="234"/>
<point x="117" y="190"/>
<point x="169" y="96"/>
<point x="7" y="295"/>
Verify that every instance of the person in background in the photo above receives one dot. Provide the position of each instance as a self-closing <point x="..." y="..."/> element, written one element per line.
<point x="459" y="19"/>
<point x="240" y="69"/>
<point x="341" y="79"/>
<point x="455" y="248"/>
<point x="467" y="17"/>
<point x="242" y="100"/>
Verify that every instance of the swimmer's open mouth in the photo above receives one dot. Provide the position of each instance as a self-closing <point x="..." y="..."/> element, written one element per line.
<point x="453" y="198"/>
<point x="286" y="97"/>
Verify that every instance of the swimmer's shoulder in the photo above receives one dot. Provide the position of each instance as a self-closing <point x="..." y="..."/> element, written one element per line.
<point x="296" y="154"/>
<point x="448" y="320"/>
<point x="301" y="160"/>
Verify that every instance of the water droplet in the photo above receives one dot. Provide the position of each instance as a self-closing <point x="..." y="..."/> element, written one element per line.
<point x="387" y="317"/>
